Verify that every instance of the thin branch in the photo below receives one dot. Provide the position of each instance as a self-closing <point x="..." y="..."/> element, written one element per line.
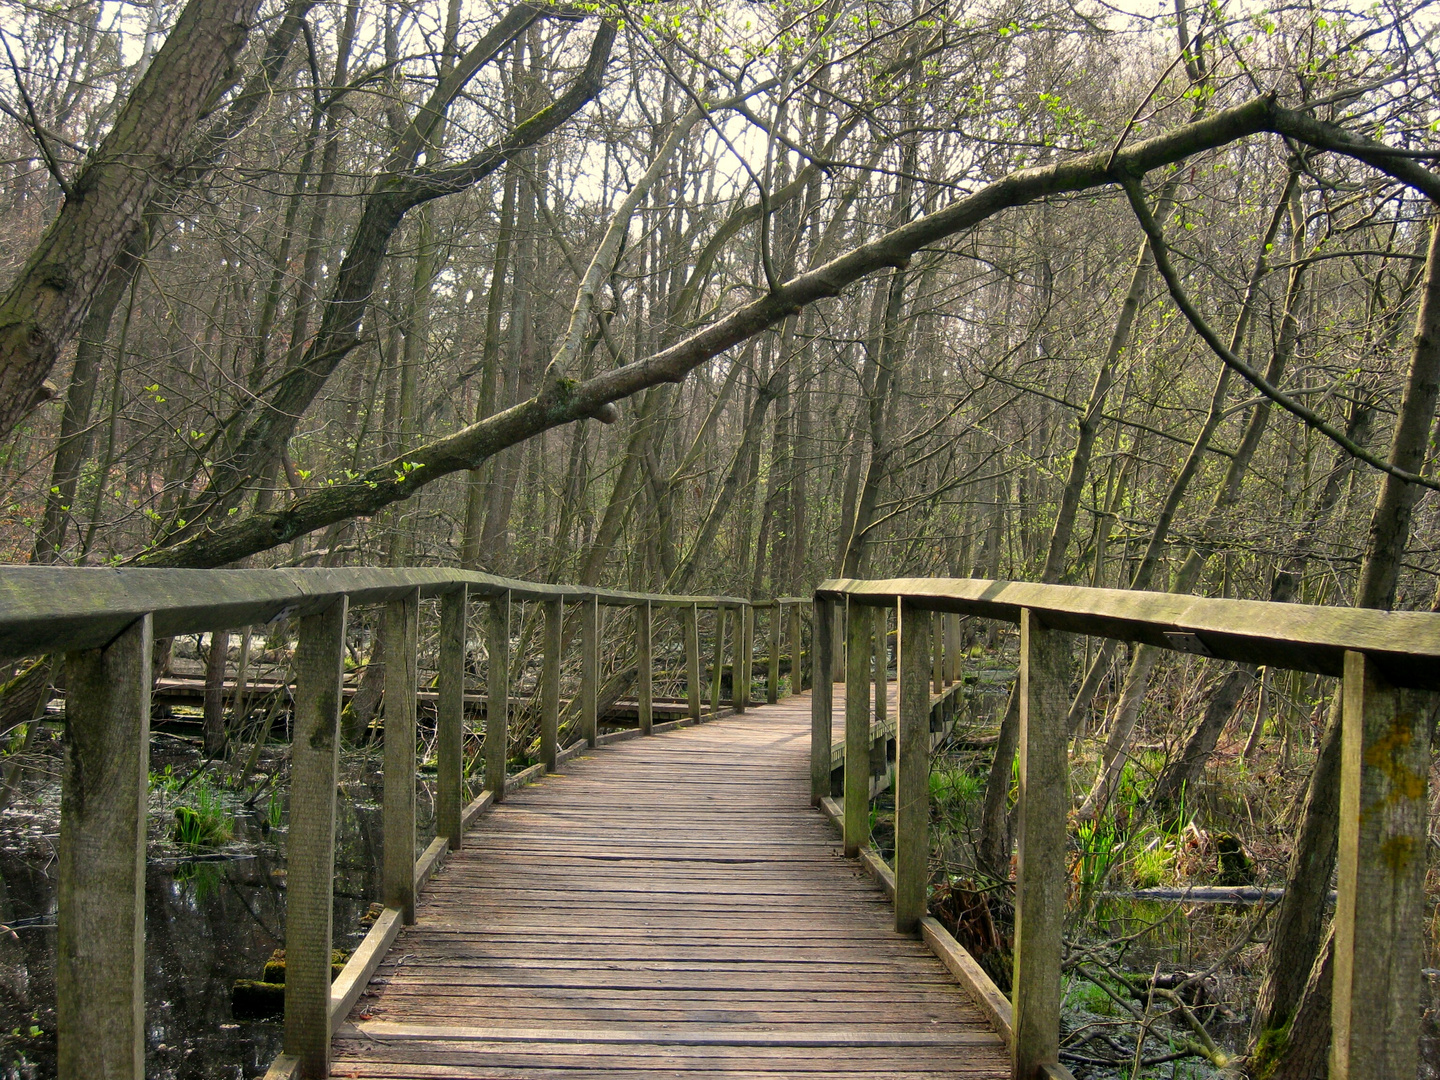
<point x="1240" y="367"/>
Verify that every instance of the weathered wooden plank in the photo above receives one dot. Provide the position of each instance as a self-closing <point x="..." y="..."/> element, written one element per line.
<point x="50" y="608"/>
<point x="1404" y="645"/>
<point x="397" y="872"/>
<point x="674" y="882"/>
<point x="744" y="654"/>
<point x="693" y="692"/>
<point x="1044" y="802"/>
<point x="589" y="671"/>
<point x="310" y="847"/>
<point x="497" y="690"/>
<point x="1380" y="908"/>
<point x="100" y="933"/>
<point x="797" y="650"/>
<point x="912" y="770"/>
<point x="859" y="658"/>
<point x="645" y="663"/>
<point x="822" y="699"/>
<point x="450" y="718"/>
<point x="550" y="684"/>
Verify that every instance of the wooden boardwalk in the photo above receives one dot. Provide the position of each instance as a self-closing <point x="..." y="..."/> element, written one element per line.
<point x="669" y="906"/>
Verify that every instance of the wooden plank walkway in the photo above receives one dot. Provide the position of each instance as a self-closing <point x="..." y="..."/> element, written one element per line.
<point x="669" y="906"/>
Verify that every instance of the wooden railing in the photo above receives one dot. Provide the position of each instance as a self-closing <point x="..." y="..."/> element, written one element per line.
<point x="1390" y="666"/>
<point x="105" y="623"/>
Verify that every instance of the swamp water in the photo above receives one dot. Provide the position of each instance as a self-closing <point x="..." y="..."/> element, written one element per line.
<point x="210" y="918"/>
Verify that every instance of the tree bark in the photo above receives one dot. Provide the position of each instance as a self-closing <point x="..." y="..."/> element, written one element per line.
<point x="1295" y="943"/>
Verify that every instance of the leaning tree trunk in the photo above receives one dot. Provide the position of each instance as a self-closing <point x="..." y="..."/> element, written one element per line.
<point x="1295" y="943"/>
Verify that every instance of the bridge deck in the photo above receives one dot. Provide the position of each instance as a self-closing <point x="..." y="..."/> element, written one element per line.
<point x="669" y="906"/>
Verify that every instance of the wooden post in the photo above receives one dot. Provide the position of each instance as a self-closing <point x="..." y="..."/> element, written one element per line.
<point x="310" y="849"/>
<point x="550" y="683"/>
<point x="718" y="661"/>
<point x="952" y="648"/>
<point x="1040" y="881"/>
<point x="397" y="876"/>
<point x="104" y="794"/>
<point x="590" y="669"/>
<point x="821" y="697"/>
<point x="937" y="628"/>
<point x="693" y="690"/>
<point x="743" y="655"/>
<point x="912" y="769"/>
<point x="772" y="667"/>
<point x="881" y="652"/>
<point x="1380" y="905"/>
<point x="859" y="660"/>
<point x="497" y="695"/>
<point x="644" y="659"/>
<point x="797" y="677"/>
<point x="450" y="718"/>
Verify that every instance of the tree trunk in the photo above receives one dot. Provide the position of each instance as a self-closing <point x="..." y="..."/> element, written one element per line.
<point x="1296" y="939"/>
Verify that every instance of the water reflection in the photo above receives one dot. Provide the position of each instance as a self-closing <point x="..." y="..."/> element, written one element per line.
<point x="208" y="922"/>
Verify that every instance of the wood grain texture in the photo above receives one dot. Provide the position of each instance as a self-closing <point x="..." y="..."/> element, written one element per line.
<point x="450" y="717"/>
<point x="100" y="948"/>
<point x="664" y="907"/>
<point x="397" y="876"/>
<point x="310" y="849"/>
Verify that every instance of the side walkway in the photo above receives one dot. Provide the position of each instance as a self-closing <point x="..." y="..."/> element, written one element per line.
<point x="669" y="906"/>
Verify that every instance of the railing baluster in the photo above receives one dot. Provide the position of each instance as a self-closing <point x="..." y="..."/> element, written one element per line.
<point x="937" y="654"/>
<point x="1380" y="905"/>
<point x="952" y="648"/>
<point x="497" y="695"/>
<point x="881" y="652"/>
<point x="694" y="692"/>
<point x="644" y="659"/>
<point x="822" y="638"/>
<point x="1040" y="880"/>
<point x="590" y="669"/>
<point x="397" y="885"/>
<point x="797" y="678"/>
<point x="718" y="664"/>
<point x="100" y="931"/>
<point x="772" y="666"/>
<point x="912" y="768"/>
<point x="550" y="683"/>
<point x="744" y="653"/>
<point x="310" y="848"/>
<point x="859" y="660"/>
<point x="450" y="718"/>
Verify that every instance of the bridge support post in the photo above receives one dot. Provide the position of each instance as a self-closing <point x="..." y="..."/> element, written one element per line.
<point x="497" y="691"/>
<point x="952" y="649"/>
<point x="590" y="669"/>
<point x="937" y="661"/>
<point x="717" y="666"/>
<point x="859" y="658"/>
<point x="1040" y="880"/>
<point x="691" y="627"/>
<point x="310" y="850"/>
<point x="645" y="662"/>
<point x="100" y="934"/>
<point x="397" y="875"/>
<point x="772" y="666"/>
<point x="797" y="666"/>
<point x="880" y="649"/>
<point x="912" y="769"/>
<point x="821" y="695"/>
<point x="550" y="683"/>
<point x="450" y="718"/>
<point x="743" y="657"/>
<point x="1380" y="905"/>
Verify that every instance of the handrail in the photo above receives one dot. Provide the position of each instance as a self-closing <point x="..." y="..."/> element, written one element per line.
<point x="44" y="608"/>
<point x="105" y="622"/>
<point x="1389" y="663"/>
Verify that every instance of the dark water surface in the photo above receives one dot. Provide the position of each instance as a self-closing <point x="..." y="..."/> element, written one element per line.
<point x="208" y="921"/>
